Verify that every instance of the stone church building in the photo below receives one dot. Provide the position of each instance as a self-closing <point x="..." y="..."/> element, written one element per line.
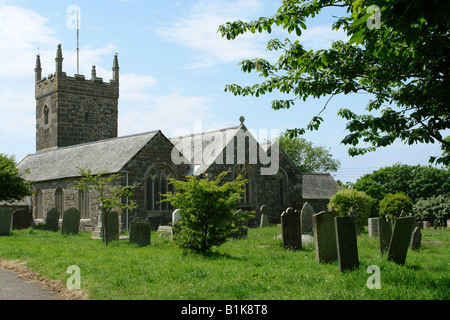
<point x="77" y="127"/>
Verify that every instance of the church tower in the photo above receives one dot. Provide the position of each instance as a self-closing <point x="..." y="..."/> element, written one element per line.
<point x="74" y="110"/>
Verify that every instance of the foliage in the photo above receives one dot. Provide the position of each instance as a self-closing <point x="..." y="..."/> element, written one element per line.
<point x="110" y="197"/>
<point x="393" y="205"/>
<point x="433" y="208"/>
<point x="206" y="209"/>
<point x="417" y="182"/>
<point x="397" y="51"/>
<point x="12" y="185"/>
<point x="306" y="156"/>
<point x="345" y="199"/>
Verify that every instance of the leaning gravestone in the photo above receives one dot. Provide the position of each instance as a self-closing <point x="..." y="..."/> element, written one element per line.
<point x="264" y="216"/>
<point x="416" y="239"/>
<point x="400" y="240"/>
<point x="71" y="221"/>
<point x="243" y="230"/>
<point x="346" y="241"/>
<point x="384" y="234"/>
<point x="52" y="221"/>
<point x="140" y="232"/>
<point x="306" y="218"/>
<point x="112" y="226"/>
<point x="291" y="230"/>
<point x="176" y="217"/>
<point x="325" y="237"/>
<point x="5" y="221"/>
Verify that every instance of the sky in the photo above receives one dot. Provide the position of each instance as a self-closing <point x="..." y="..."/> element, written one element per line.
<point x="174" y="66"/>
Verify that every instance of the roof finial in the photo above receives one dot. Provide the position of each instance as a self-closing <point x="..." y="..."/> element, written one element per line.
<point x="242" y="120"/>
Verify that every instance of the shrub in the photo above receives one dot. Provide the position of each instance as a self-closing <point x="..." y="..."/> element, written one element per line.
<point x="434" y="208"/>
<point x="392" y="205"/>
<point x="345" y="199"/>
<point x="206" y="209"/>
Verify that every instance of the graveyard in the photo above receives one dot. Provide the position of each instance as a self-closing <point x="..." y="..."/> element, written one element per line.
<point x="264" y="265"/>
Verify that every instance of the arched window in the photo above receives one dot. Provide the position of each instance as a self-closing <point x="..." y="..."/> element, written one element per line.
<point x="83" y="203"/>
<point x="157" y="184"/>
<point x="283" y="189"/>
<point x="245" y="171"/>
<point x="46" y="115"/>
<point x="39" y="213"/>
<point x="59" y="200"/>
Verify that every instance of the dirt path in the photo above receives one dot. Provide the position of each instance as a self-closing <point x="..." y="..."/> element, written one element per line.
<point x="19" y="283"/>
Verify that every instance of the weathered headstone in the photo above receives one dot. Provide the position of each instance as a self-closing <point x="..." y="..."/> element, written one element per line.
<point x="264" y="216"/>
<point x="176" y="217"/>
<point x="52" y="220"/>
<point x="71" y="221"/>
<point x="306" y="218"/>
<point x="112" y="226"/>
<point x="22" y="219"/>
<point x="416" y="239"/>
<point x="243" y="230"/>
<point x="140" y="232"/>
<point x="291" y="229"/>
<point x="400" y="240"/>
<point x="384" y="234"/>
<point x="5" y="221"/>
<point x="325" y="237"/>
<point x="346" y="240"/>
<point x="373" y="227"/>
<point x="426" y="225"/>
<point x="435" y="224"/>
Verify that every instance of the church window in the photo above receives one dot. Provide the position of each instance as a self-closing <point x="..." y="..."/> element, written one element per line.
<point x="59" y="200"/>
<point x="244" y="171"/>
<point x="83" y="203"/>
<point x="88" y="118"/>
<point x="39" y="213"/>
<point x="157" y="184"/>
<point x="46" y="115"/>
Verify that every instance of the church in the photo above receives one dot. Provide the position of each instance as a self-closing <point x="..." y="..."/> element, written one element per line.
<point x="77" y="127"/>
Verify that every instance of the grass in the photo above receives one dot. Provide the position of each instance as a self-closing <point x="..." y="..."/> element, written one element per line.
<point x="257" y="268"/>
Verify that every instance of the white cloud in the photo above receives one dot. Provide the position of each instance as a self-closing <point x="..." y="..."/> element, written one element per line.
<point x="134" y="87"/>
<point x="321" y="37"/>
<point x="197" y="30"/>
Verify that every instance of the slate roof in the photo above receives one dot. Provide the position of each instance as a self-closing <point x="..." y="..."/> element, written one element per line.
<point x="209" y="141"/>
<point x="105" y="155"/>
<point x="319" y="186"/>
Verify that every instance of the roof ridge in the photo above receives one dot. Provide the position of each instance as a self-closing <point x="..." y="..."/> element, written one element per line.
<point x="208" y="132"/>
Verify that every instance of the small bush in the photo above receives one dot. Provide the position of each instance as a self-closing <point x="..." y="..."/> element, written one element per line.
<point x="393" y="205"/>
<point x="345" y="199"/>
<point x="434" y="208"/>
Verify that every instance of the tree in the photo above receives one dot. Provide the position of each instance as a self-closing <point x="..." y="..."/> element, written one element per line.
<point x="393" y="205"/>
<point x="13" y="186"/>
<point x="110" y="197"/>
<point x="434" y="208"/>
<point x="206" y="209"/>
<point x="306" y="156"/>
<point x="417" y="182"/>
<point x="344" y="200"/>
<point x="398" y="51"/>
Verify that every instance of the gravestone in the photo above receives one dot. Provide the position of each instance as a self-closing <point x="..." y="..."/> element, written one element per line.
<point x="346" y="241"/>
<point x="325" y="237"/>
<point x="435" y="224"/>
<point x="416" y="239"/>
<point x="176" y="217"/>
<point x="264" y="216"/>
<point x="52" y="221"/>
<point x="243" y="230"/>
<point x="291" y="230"/>
<point x="5" y="221"/>
<point x="426" y="225"/>
<point x="373" y="227"/>
<point x="384" y="234"/>
<point x="400" y="240"/>
<point x="71" y="221"/>
<point x="22" y="219"/>
<point x="306" y="218"/>
<point x="140" y="232"/>
<point x="112" y="226"/>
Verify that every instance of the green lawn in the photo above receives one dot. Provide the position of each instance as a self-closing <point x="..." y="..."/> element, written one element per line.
<point x="257" y="268"/>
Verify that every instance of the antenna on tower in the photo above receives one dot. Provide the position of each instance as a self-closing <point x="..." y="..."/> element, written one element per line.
<point x="78" y="43"/>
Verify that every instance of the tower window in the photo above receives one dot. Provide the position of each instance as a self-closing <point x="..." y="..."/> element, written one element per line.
<point x="88" y="118"/>
<point x="46" y="112"/>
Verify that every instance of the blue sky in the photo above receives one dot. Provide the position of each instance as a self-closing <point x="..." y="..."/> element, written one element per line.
<point x="173" y="70"/>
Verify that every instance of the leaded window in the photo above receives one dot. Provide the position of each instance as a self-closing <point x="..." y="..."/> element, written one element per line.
<point x="158" y="184"/>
